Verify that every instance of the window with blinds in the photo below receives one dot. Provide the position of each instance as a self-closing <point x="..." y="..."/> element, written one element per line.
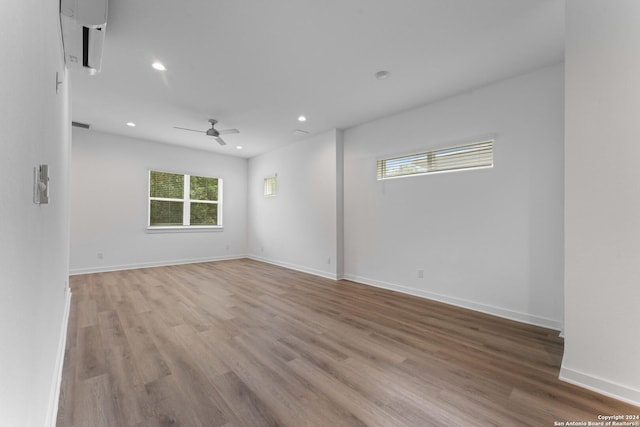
<point x="271" y="185"/>
<point x="463" y="157"/>
<point x="177" y="200"/>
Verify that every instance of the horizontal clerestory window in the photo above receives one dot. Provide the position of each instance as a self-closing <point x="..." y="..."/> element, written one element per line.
<point x="463" y="157"/>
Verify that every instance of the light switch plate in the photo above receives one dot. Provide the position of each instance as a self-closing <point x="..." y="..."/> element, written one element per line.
<point x="41" y="184"/>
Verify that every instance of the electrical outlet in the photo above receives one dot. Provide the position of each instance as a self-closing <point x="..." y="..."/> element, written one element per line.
<point x="100" y="255"/>
<point x="420" y="273"/>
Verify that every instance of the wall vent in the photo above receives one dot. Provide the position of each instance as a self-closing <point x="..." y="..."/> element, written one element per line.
<point x="81" y="125"/>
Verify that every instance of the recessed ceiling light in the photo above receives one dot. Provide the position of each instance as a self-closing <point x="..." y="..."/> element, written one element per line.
<point x="131" y="124"/>
<point x="302" y="119"/>
<point x="382" y="74"/>
<point x="239" y="147"/>
<point x="158" y="66"/>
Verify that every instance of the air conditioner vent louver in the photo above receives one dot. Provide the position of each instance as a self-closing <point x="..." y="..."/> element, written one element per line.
<point x="81" y="125"/>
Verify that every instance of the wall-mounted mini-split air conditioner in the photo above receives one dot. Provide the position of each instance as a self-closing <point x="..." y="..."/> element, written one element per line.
<point x="83" y="30"/>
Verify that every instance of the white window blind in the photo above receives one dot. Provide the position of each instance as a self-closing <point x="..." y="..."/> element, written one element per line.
<point x="463" y="157"/>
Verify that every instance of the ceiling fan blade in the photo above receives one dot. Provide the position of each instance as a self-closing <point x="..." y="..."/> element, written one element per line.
<point x="220" y="140"/>
<point x="228" y="131"/>
<point x="192" y="130"/>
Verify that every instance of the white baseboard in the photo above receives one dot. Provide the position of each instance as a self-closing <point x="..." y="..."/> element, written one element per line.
<point x="303" y="269"/>
<point x="106" y="268"/>
<point x="459" y="302"/>
<point x="54" y="395"/>
<point x="602" y="386"/>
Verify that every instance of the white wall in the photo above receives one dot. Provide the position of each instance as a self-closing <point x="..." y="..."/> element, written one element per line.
<point x="602" y="285"/>
<point x="34" y="239"/>
<point x="491" y="239"/>
<point x="298" y="228"/>
<point x="109" y="199"/>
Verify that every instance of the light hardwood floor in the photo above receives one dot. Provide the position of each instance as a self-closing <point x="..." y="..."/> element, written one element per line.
<point x="242" y="343"/>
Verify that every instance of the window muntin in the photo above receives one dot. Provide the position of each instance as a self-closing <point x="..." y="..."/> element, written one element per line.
<point x="464" y="157"/>
<point x="177" y="200"/>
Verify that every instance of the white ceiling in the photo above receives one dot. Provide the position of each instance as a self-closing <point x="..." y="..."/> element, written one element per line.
<point x="256" y="65"/>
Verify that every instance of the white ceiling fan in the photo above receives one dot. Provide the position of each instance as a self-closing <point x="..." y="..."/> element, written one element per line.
<point x="213" y="131"/>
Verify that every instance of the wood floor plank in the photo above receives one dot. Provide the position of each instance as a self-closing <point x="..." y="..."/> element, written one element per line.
<point x="126" y="383"/>
<point x="170" y="407"/>
<point x="189" y="376"/>
<point x="341" y="392"/>
<point x="148" y="358"/>
<point x="207" y="360"/>
<point x="292" y="400"/>
<point x="357" y="381"/>
<point x="248" y="408"/>
<point x="87" y="313"/>
<point x="243" y="343"/>
<point x="94" y="406"/>
<point x="90" y="353"/>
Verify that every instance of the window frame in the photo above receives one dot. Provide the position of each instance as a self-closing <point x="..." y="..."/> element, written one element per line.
<point x="186" y="205"/>
<point x="430" y="163"/>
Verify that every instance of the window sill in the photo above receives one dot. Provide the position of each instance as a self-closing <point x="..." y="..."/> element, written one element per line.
<point x="185" y="229"/>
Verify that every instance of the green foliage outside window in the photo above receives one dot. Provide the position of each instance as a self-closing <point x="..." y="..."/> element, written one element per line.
<point x="166" y="213"/>
<point x="166" y="185"/>
<point x="204" y="214"/>
<point x="203" y="188"/>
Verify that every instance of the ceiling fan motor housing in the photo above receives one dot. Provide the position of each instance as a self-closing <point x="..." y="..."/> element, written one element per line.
<point x="213" y="132"/>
